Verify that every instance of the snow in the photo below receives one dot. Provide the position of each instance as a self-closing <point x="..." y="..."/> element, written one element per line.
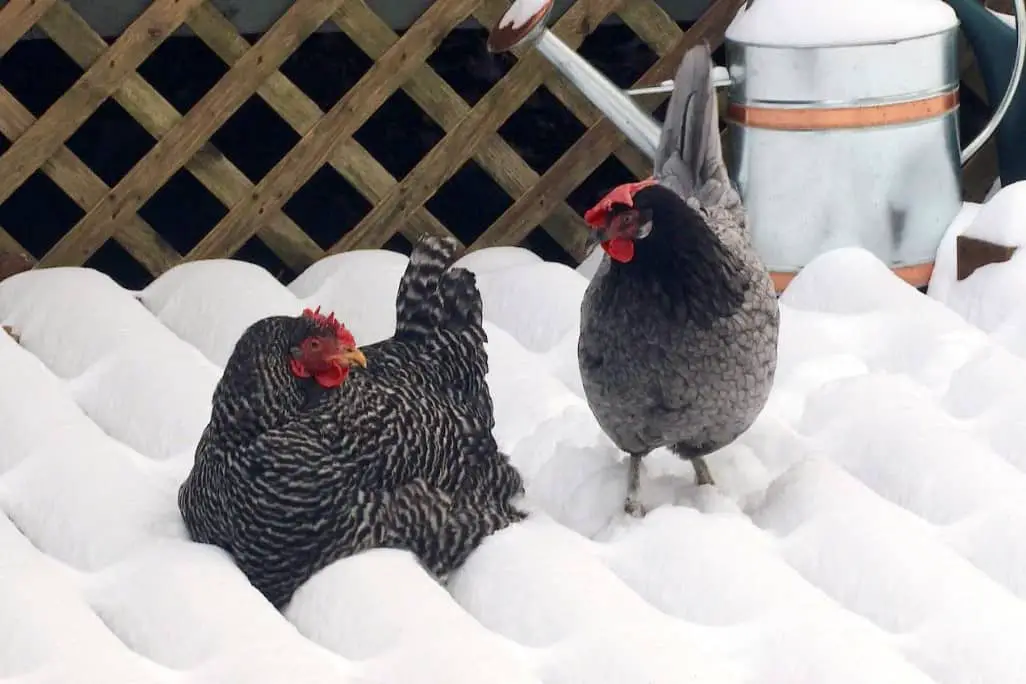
<point x="521" y="11"/>
<point x="991" y="297"/>
<point x="810" y="23"/>
<point x="871" y="526"/>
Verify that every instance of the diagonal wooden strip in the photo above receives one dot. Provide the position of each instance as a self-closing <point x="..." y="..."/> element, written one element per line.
<point x="17" y="17"/>
<point x="79" y="102"/>
<point x="443" y="104"/>
<point x="350" y="159"/>
<point x="10" y="246"/>
<point x="458" y="144"/>
<point x="652" y="24"/>
<point x="600" y="140"/>
<point x="341" y="121"/>
<point x="86" y="189"/>
<point x="158" y="116"/>
<point x="180" y="143"/>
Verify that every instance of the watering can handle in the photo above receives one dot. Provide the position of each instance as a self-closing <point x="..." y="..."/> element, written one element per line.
<point x="1013" y="85"/>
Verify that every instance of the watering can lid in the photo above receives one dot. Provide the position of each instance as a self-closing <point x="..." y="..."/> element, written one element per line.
<point x="814" y="23"/>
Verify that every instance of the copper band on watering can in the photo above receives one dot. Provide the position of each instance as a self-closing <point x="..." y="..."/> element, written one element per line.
<point x="830" y="118"/>
<point x="916" y="276"/>
<point x="827" y="118"/>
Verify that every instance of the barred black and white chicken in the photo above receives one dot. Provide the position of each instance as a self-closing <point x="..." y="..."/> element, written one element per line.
<point x="317" y="450"/>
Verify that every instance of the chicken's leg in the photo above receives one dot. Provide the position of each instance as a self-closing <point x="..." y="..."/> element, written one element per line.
<point x="702" y="474"/>
<point x="632" y="504"/>
<point x="696" y="454"/>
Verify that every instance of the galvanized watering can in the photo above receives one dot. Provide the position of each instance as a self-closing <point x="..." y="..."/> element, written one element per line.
<point x="834" y="141"/>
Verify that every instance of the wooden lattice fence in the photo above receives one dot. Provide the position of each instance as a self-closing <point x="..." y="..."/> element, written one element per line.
<point x="183" y="138"/>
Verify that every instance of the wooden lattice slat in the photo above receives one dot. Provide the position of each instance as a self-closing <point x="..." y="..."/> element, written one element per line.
<point x="350" y="159"/>
<point x="342" y="120"/>
<point x="157" y="116"/>
<point x="78" y="103"/>
<point x="447" y="108"/>
<point x="470" y="132"/>
<point x="86" y="189"/>
<point x="8" y="245"/>
<point x="452" y="151"/>
<point x="17" y="17"/>
<point x="191" y="132"/>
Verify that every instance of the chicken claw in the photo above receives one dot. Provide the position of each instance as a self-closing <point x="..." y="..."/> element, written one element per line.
<point x="634" y="508"/>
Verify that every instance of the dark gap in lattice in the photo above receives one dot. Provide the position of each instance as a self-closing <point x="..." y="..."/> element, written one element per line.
<point x="604" y="178"/>
<point x="38" y="214"/>
<point x="183" y="70"/>
<point x="399" y="134"/>
<point x="469" y="202"/>
<point x="254" y="138"/>
<point x="660" y="112"/>
<point x="113" y="259"/>
<point x="618" y="52"/>
<point x="326" y="207"/>
<point x="37" y="72"/>
<point x="542" y="130"/>
<point x="183" y="211"/>
<point x="256" y="252"/>
<point x="110" y="142"/>
<point x="719" y="55"/>
<point x="326" y="66"/>
<point x="545" y="246"/>
<point x="466" y="65"/>
<point x="399" y="243"/>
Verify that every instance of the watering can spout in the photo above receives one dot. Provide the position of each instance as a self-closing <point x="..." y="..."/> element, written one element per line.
<point x="995" y="45"/>
<point x="524" y="24"/>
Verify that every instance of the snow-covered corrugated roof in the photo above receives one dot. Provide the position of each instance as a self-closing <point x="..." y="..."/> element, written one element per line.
<point x="871" y="527"/>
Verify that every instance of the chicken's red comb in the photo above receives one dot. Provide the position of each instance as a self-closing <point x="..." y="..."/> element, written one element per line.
<point x="330" y="321"/>
<point x="621" y="194"/>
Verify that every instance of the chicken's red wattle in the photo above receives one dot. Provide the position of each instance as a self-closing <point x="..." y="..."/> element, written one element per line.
<point x="619" y="249"/>
<point x="333" y="377"/>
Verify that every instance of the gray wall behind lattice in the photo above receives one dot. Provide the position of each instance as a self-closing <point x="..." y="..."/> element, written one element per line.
<point x="110" y="17"/>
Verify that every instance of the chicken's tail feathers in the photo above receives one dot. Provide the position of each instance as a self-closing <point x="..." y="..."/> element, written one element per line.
<point x="461" y="300"/>
<point x="417" y="305"/>
<point x="689" y="151"/>
<point x="433" y="295"/>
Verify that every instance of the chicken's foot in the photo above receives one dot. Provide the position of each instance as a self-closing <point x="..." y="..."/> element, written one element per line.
<point x="702" y="474"/>
<point x="632" y="504"/>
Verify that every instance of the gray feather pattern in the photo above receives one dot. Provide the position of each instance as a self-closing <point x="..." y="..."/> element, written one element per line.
<point x="289" y="477"/>
<point x="678" y="346"/>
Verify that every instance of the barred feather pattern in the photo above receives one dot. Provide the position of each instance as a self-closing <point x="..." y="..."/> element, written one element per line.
<point x="290" y="477"/>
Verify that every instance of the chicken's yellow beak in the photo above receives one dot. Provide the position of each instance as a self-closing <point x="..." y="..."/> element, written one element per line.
<point x="353" y="357"/>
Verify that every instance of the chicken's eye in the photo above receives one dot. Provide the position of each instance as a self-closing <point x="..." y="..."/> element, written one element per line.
<point x="315" y="345"/>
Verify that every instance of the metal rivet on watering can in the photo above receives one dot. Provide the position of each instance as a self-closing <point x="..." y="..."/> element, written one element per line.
<point x="843" y="123"/>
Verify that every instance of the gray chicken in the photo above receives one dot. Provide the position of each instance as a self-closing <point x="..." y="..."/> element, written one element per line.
<point x="678" y="341"/>
<point x="317" y="450"/>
